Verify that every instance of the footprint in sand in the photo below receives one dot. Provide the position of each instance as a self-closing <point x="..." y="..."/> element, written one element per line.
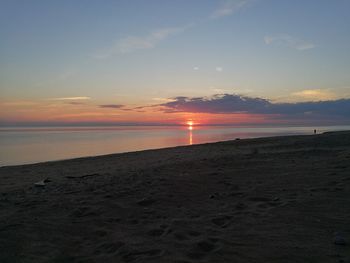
<point x="241" y="206"/>
<point x="156" y="232"/>
<point x="222" y="221"/>
<point x="140" y="255"/>
<point x="320" y="189"/>
<point x="100" y="233"/>
<point x="133" y="222"/>
<point x="259" y="199"/>
<point x="194" y="233"/>
<point x="201" y="249"/>
<point x="109" y="248"/>
<point x="180" y="236"/>
<point x="265" y="202"/>
<point x="146" y="202"/>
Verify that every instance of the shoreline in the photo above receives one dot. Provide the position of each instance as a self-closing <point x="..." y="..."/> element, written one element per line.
<point x="269" y="199"/>
<point x="165" y="148"/>
<point x="43" y="146"/>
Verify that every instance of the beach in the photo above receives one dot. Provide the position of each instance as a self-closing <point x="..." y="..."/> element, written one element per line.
<point x="277" y="199"/>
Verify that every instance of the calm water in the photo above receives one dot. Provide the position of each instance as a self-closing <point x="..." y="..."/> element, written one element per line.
<point x="30" y="145"/>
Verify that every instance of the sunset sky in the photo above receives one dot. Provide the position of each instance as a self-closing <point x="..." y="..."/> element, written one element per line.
<point x="168" y="62"/>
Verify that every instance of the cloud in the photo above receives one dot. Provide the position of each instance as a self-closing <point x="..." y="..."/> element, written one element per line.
<point x="288" y="41"/>
<point x="86" y="114"/>
<point x="72" y="98"/>
<point x="219" y="69"/>
<point x="162" y="99"/>
<point x="216" y="104"/>
<point x="112" y="106"/>
<point x="216" y="90"/>
<point x="225" y="91"/>
<point x="315" y="94"/>
<point x="233" y="103"/>
<point x="230" y="7"/>
<point x="18" y="103"/>
<point x="75" y="103"/>
<point x="132" y="43"/>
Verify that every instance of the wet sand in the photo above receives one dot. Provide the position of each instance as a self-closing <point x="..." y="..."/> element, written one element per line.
<point x="279" y="199"/>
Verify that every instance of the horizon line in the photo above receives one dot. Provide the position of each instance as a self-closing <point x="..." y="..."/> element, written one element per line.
<point x="133" y="124"/>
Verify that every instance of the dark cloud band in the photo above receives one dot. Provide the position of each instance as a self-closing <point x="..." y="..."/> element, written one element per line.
<point x="112" y="106"/>
<point x="232" y="103"/>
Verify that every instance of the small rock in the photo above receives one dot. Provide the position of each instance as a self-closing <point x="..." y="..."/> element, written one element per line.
<point x="339" y="240"/>
<point x="40" y="183"/>
<point x="205" y="246"/>
<point x="214" y="195"/>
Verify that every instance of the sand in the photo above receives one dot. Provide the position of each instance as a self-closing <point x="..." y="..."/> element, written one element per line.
<point x="278" y="199"/>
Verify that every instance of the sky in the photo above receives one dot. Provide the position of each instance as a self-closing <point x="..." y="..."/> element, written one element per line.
<point x="255" y="62"/>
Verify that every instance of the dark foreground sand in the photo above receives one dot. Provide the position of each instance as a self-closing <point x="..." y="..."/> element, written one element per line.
<point x="262" y="200"/>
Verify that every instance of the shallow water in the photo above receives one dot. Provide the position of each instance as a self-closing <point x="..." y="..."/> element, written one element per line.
<point x="30" y="145"/>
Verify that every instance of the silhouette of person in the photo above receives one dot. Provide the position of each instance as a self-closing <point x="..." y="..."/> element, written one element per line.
<point x="314" y="131"/>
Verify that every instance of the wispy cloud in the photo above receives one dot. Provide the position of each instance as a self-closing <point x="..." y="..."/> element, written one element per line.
<point x="86" y="114"/>
<point x="162" y="99"/>
<point x="71" y="98"/>
<point x="75" y="103"/>
<point x="18" y="103"/>
<point x="288" y="41"/>
<point x="230" y="7"/>
<point x="112" y="106"/>
<point x="315" y="94"/>
<point x="132" y="43"/>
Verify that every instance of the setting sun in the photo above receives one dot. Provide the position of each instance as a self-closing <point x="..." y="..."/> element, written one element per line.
<point x="190" y="123"/>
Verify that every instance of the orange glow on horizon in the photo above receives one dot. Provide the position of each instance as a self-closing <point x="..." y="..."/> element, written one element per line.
<point x="63" y="112"/>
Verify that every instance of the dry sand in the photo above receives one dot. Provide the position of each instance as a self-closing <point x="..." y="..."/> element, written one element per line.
<point x="259" y="200"/>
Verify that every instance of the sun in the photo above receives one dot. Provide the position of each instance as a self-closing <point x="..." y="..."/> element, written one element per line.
<point x="190" y="123"/>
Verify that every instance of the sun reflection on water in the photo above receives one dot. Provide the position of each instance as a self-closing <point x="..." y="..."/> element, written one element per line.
<point x="190" y="129"/>
<point x="190" y="137"/>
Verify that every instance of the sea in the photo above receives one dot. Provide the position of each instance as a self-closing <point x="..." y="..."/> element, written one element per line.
<point x="28" y="145"/>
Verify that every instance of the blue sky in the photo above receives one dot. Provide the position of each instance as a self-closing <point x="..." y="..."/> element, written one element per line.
<point x="144" y="52"/>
